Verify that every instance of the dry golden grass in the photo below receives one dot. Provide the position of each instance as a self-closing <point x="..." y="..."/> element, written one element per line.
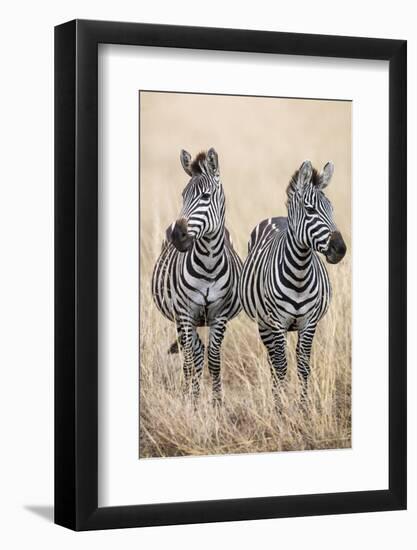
<point x="247" y="422"/>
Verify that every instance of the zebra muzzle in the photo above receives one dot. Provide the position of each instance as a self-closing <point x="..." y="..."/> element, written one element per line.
<point x="180" y="237"/>
<point x="336" y="249"/>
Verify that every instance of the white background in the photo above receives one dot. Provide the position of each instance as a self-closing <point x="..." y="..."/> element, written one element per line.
<point x="26" y="285"/>
<point x="123" y="479"/>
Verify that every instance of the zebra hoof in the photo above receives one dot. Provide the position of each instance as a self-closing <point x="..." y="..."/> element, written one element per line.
<point x="217" y="401"/>
<point x="191" y="400"/>
<point x="186" y="394"/>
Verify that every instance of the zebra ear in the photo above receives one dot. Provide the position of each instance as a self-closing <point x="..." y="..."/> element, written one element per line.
<point x="213" y="160"/>
<point x="304" y="176"/>
<point x="326" y="175"/>
<point x="185" y="158"/>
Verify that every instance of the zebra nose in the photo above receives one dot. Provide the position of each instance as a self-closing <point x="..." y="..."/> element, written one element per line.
<point x="180" y="237"/>
<point x="337" y="248"/>
<point x="179" y="232"/>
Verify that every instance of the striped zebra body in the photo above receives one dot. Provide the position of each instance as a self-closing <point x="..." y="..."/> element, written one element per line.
<point x="284" y="284"/>
<point x="294" y="291"/>
<point x="204" y="286"/>
<point x="195" y="279"/>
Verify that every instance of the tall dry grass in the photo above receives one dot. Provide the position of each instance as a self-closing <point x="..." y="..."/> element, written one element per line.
<point x="247" y="422"/>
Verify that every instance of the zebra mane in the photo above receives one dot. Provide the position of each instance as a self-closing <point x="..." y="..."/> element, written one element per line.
<point x="315" y="180"/>
<point x="196" y="164"/>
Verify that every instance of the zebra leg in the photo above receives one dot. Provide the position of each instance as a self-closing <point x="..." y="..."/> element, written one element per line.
<point x="275" y="342"/>
<point x="304" y="344"/>
<point x="193" y="354"/>
<point x="198" y="349"/>
<point x="216" y="336"/>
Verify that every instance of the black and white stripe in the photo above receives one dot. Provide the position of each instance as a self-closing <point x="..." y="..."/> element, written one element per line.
<point x="195" y="279"/>
<point x="284" y="284"/>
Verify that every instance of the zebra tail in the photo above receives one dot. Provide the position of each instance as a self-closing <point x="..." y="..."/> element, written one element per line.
<point x="174" y="347"/>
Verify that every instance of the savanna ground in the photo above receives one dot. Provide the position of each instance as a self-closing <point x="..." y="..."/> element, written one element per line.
<point x="260" y="143"/>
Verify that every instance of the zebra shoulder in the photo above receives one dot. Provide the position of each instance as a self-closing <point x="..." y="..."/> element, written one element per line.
<point x="265" y="227"/>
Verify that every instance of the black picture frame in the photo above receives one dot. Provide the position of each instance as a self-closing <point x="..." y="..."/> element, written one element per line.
<point x="76" y="272"/>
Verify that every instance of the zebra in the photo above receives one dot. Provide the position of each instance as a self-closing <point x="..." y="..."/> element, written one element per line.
<point x="195" y="278"/>
<point x="284" y="284"/>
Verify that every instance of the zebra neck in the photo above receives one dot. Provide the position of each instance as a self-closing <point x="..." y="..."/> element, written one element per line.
<point x="296" y="261"/>
<point x="209" y="249"/>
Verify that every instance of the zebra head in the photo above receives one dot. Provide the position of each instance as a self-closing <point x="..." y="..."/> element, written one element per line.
<point x="202" y="214"/>
<point x="310" y="212"/>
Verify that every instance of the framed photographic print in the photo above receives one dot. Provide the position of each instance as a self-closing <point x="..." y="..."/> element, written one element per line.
<point x="230" y="247"/>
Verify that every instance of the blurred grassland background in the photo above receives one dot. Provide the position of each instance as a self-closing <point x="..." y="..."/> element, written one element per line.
<point x="260" y="143"/>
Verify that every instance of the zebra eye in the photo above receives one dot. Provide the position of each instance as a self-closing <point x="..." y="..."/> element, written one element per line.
<point x="205" y="196"/>
<point x="310" y="210"/>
